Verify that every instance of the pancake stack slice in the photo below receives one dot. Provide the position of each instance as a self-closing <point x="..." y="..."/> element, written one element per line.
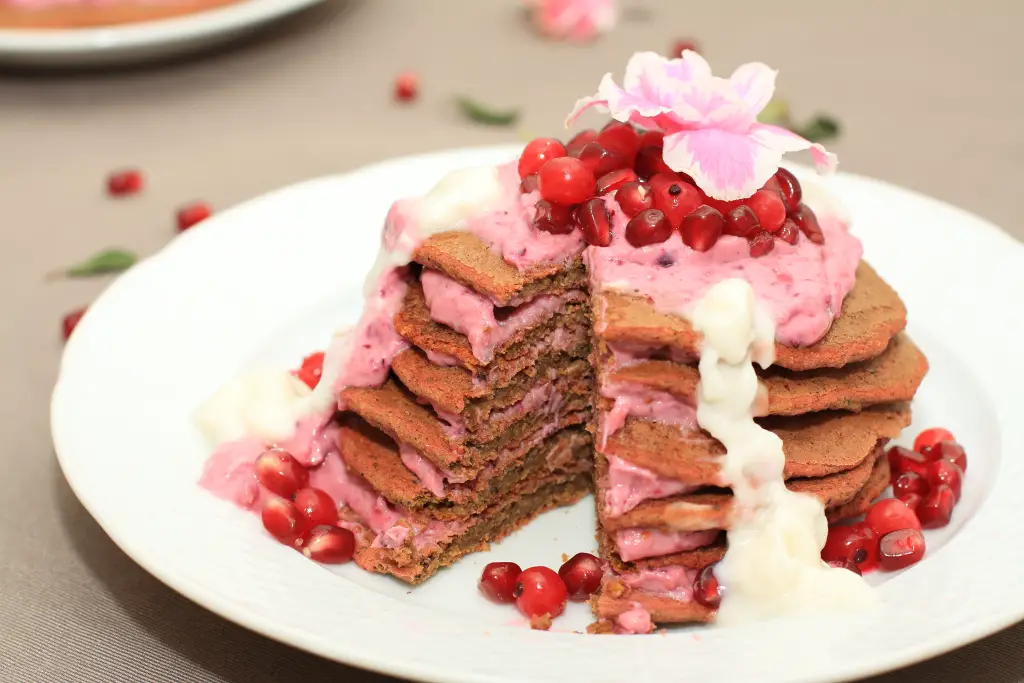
<point x="662" y="505"/>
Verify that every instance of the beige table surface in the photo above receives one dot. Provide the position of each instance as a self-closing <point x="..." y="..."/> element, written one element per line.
<point x="929" y="93"/>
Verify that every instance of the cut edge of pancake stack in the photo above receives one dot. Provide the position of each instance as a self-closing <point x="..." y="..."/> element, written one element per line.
<point x="662" y="506"/>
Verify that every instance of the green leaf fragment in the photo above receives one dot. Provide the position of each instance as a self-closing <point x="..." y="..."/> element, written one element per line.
<point x="486" y="115"/>
<point x="819" y="129"/>
<point x="106" y="261"/>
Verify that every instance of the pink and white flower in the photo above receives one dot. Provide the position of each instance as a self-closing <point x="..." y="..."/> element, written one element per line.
<point x="710" y="123"/>
<point x="573" y="19"/>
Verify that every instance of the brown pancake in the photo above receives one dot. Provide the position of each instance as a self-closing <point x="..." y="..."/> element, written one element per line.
<point x="614" y="598"/>
<point x="871" y="315"/>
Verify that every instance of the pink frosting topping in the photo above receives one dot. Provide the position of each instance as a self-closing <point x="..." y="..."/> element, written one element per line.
<point x="627" y="486"/>
<point x="643" y="403"/>
<point x="637" y="544"/>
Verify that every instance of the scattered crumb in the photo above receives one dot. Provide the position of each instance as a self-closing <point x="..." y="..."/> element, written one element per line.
<point x="565" y="558"/>
<point x="615" y="589"/>
<point x="541" y="623"/>
<point x="601" y="627"/>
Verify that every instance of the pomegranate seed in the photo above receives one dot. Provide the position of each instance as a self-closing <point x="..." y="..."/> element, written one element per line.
<point x="537" y="153"/>
<point x="634" y="197"/>
<point x="946" y="472"/>
<point x="540" y="591"/>
<point x="856" y="543"/>
<point x="761" y="243"/>
<point x="581" y="575"/>
<point x="553" y="218"/>
<point x="701" y="229"/>
<point x="576" y="145"/>
<point x="722" y="206"/>
<point x="649" y="162"/>
<point x="889" y="515"/>
<point x="808" y="223"/>
<point x="651" y="138"/>
<point x="648" y="227"/>
<point x="789" y="188"/>
<point x="191" y="214"/>
<point x="329" y="545"/>
<point x="788" y="232"/>
<point x="122" y="183"/>
<point x="70" y="321"/>
<point x="621" y="138"/>
<point x="595" y="222"/>
<point x="845" y="564"/>
<point x="905" y="460"/>
<point x="680" y="45"/>
<point x="601" y="161"/>
<point x="311" y="369"/>
<point x="529" y="184"/>
<point x="769" y="209"/>
<point x="930" y="437"/>
<point x="900" y="548"/>
<point x="566" y="181"/>
<point x="909" y="483"/>
<point x="741" y="221"/>
<point x="773" y="186"/>
<point x="674" y="197"/>
<point x="316" y="506"/>
<point x="706" y="589"/>
<point x="610" y="182"/>
<point x="284" y="521"/>
<point x="280" y="473"/>
<point x="936" y="507"/>
<point x="946" y="450"/>
<point x="912" y="501"/>
<point x="498" y="581"/>
<point x="407" y="86"/>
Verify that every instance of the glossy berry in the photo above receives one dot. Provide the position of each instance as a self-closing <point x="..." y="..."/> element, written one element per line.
<point x="540" y="591"/>
<point x="706" y="589"/>
<point x="538" y="152"/>
<point x="576" y="144"/>
<point x="621" y="138"/>
<point x="741" y="221"/>
<point x="789" y="188"/>
<point x="565" y="181"/>
<point x="701" y="229"/>
<point x="595" y="222"/>
<point x="553" y="218"/>
<point x="905" y="460"/>
<point x="930" y="437"/>
<point x="280" y="473"/>
<point x="529" y="184"/>
<point x="946" y="472"/>
<point x="722" y="206"/>
<point x="651" y="138"/>
<point x="788" y="232"/>
<point x="856" y="543"/>
<point x="329" y="545"/>
<point x="601" y="161"/>
<point x="761" y="243"/>
<point x="808" y="223"/>
<point x="900" y="549"/>
<point x="909" y="483"/>
<point x="581" y="575"/>
<point x="70" y="321"/>
<point x="123" y="183"/>
<point x="498" y="581"/>
<point x="674" y="197"/>
<point x="407" y="86"/>
<point x="316" y="506"/>
<point x="648" y="227"/>
<point x="773" y="186"/>
<point x="912" y="501"/>
<point x="634" y="197"/>
<point x="889" y="515"/>
<point x="191" y="214"/>
<point x="311" y="369"/>
<point x="649" y="162"/>
<point x="946" y="450"/>
<point x="284" y="521"/>
<point x="769" y="209"/>
<point x="936" y="507"/>
<point x="611" y="182"/>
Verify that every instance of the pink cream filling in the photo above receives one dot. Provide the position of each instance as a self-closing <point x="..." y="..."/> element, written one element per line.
<point x="674" y="582"/>
<point x="642" y="402"/>
<point x="427" y="472"/>
<point x="442" y="359"/>
<point x="637" y="544"/>
<point x="542" y="397"/>
<point x="627" y="485"/>
<point x="634" y="621"/>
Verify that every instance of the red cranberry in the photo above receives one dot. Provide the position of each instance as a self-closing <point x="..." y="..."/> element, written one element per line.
<point x="674" y="197"/>
<point x="284" y="521"/>
<point x="582" y="575"/>
<point x="856" y="543"/>
<point x="407" y="86"/>
<point x="789" y="188"/>
<point x="701" y="229"/>
<point x="930" y="437"/>
<point x="498" y="581"/>
<point x="280" y="473"/>
<point x="649" y="162"/>
<point x="610" y="182"/>
<point x="706" y="589"/>
<point x="70" y="321"/>
<point x="540" y="591"/>
<point x="328" y="544"/>
<point x="905" y="460"/>
<point x="946" y="450"/>
<point x="193" y="213"/>
<point x="621" y="138"/>
<point x="566" y="181"/>
<point x="769" y="209"/>
<point x="900" y="548"/>
<point x="122" y="183"/>
<point x="680" y="46"/>
<point x="936" y="507"/>
<point x="648" y="227"/>
<point x="651" y="138"/>
<point x="601" y="161"/>
<point x="529" y="184"/>
<point x="595" y="222"/>
<point x="889" y="515"/>
<point x="788" y="232"/>
<point x="311" y="369"/>
<point x="909" y="483"/>
<point x="808" y="223"/>
<point x="553" y="218"/>
<point x="576" y="145"/>
<point x="761" y="243"/>
<point x="635" y="197"/>
<point x="316" y="506"/>
<point x="741" y="221"/>
<point x="946" y="472"/>
<point x="845" y="564"/>
<point x="537" y="152"/>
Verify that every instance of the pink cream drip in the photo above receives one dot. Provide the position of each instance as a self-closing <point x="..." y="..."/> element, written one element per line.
<point x="675" y="581"/>
<point x="637" y="544"/>
<point x="428" y="473"/>
<point x="442" y="359"/>
<point x="627" y="485"/>
<point x="644" y="403"/>
<point x="230" y="472"/>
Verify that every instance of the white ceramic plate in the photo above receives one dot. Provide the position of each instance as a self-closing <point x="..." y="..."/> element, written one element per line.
<point x="143" y="41"/>
<point x="267" y="282"/>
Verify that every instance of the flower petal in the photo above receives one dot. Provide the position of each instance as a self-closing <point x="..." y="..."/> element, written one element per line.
<point x="755" y="84"/>
<point x="691" y="67"/>
<point x="786" y="141"/>
<point x="725" y="165"/>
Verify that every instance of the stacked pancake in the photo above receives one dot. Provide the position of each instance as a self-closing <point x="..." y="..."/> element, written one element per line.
<point x="481" y="424"/>
<point x="661" y="501"/>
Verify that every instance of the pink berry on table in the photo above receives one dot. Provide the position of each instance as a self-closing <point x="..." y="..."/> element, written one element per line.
<point x="553" y="218"/>
<point x="328" y="544"/>
<point x="930" y="437"/>
<point x="70" y="321"/>
<point x="124" y="182"/>
<point x="936" y="507"/>
<point x="769" y="209"/>
<point x="788" y="232"/>
<point x="905" y="460"/>
<point x="540" y="591"/>
<point x="634" y="197"/>
<point x="191" y="214"/>
<point x="946" y="472"/>
<point x="600" y="160"/>
<point x="900" y="548"/>
<point x="741" y="221"/>
<point x="648" y="227"/>
<point x="279" y="472"/>
<point x="674" y="197"/>
<point x="611" y="182"/>
<point x="946" y="450"/>
<point x="701" y="229"/>
<point x="536" y="153"/>
<point x="856" y="543"/>
<point x="316" y="506"/>
<point x="805" y="219"/>
<point x="621" y="138"/>
<point x="581" y="575"/>
<point x="407" y="86"/>
<point x="284" y="521"/>
<point x="498" y="581"/>
<point x="760" y="243"/>
<point x="596" y="223"/>
<point x="789" y="188"/>
<point x="565" y="181"/>
<point x="577" y="143"/>
<point x="889" y="515"/>
<point x="706" y="589"/>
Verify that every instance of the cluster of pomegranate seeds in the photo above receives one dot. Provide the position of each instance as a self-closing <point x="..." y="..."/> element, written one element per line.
<point x="926" y="485"/>
<point x="125" y="182"/>
<point x="621" y="161"/>
<point x="407" y="86"/>
<point x="540" y="593"/>
<point x="193" y="213"/>
<point x="311" y="369"/>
